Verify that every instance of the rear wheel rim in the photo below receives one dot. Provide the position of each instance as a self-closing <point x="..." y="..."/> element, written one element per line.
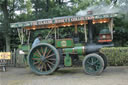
<point x="43" y="59"/>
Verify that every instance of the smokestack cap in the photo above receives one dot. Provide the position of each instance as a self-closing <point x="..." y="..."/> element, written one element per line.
<point x="89" y="12"/>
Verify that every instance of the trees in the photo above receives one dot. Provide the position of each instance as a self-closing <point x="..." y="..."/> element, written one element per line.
<point x="27" y="10"/>
<point x="3" y="5"/>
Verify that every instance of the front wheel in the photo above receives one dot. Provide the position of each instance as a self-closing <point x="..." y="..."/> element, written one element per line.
<point x="105" y="60"/>
<point x="93" y="64"/>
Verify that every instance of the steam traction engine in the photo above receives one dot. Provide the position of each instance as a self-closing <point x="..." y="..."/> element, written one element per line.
<point x="47" y="57"/>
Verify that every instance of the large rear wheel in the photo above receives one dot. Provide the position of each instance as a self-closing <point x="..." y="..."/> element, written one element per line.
<point x="93" y="64"/>
<point x="43" y="59"/>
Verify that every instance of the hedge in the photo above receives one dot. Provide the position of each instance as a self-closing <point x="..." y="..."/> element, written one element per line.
<point x="117" y="56"/>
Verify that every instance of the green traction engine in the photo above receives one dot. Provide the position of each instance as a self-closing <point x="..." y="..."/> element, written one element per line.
<point x="46" y="57"/>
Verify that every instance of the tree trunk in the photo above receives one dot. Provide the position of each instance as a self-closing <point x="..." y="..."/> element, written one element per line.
<point x="36" y="8"/>
<point x="6" y="24"/>
<point x="47" y="5"/>
<point x="7" y="40"/>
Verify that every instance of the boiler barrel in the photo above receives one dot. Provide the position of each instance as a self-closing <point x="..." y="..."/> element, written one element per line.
<point x="79" y="50"/>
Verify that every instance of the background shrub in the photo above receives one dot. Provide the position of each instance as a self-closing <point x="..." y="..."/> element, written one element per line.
<point x="117" y="56"/>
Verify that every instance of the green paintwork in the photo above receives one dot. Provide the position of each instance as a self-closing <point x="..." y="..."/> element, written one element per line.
<point x="64" y="43"/>
<point x="105" y="31"/>
<point x="80" y="50"/>
<point x="67" y="60"/>
<point x="78" y="44"/>
<point x="50" y="41"/>
<point x="25" y="48"/>
<point x="68" y="50"/>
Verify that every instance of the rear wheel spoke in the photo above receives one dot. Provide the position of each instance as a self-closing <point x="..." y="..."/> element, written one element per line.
<point x="45" y="51"/>
<point x="49" y="66"/>
<point x="35" y="58"/>
<point x="36" y="62"/>
<point x="50" y="63"/>
<point x="45" y="66"/>
<point x="52" y="59"/>
<point x="41" y="68"/>
<point x="40" y="64"/>
<point x="38" y="52"/>
<point x="50" y="55"/>
<point x="42" y="50"/>
<point x="48" y="52"/>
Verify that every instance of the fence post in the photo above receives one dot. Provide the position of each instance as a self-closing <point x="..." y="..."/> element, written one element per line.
<point x="15" y="57"/>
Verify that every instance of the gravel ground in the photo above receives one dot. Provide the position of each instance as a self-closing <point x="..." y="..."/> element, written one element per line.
<point x="65" y="76"/>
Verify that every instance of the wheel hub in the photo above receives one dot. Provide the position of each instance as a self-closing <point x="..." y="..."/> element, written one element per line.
<point x="43" y="58"/>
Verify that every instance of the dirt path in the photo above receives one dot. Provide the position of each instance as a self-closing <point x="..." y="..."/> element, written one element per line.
<point x="65" y="76"/>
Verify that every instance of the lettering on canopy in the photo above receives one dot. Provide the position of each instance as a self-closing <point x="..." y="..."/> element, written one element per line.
<point x="61" y="20"/>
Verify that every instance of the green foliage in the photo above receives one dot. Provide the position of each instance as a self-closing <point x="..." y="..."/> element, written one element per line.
<point x="121" y="31"/>
<point x="43" y="9"/>
<point x="117" y="56"/>
<point x="121" y="37"/>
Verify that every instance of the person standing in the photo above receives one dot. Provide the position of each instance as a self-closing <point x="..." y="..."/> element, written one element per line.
<point x="37" y="40"/>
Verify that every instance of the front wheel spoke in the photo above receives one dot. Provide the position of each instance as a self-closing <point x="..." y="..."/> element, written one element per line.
<point x="95" y="62"/>
<point x="96" y="68"/>
<point x="91" y="60"/>
<point x="96" y="65"/>
<point x="88" y="62"/>
<point x="50" y="55"/>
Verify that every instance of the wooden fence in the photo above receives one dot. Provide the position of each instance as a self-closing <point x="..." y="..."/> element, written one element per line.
<point x="17" y="60"/>
<point x="12" y="61"/>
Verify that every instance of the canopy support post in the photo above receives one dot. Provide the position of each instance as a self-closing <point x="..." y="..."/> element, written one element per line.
<point x="55" y="33"/>
<point x="29" y="33"/>
<point x="85" y="32"/>
<point x="49" y="34"/>
<point x="110" y="25"/>
<point x="76" y="31"/>
<point x="22" y="36"/>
